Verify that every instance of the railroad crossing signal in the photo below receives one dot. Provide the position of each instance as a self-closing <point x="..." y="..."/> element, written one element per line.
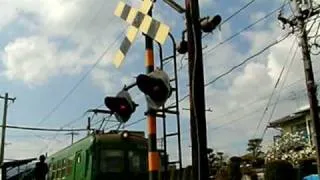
<point x="139" y="20"/>
<point x="156" y="87"/>
<point x="122" y="106"/>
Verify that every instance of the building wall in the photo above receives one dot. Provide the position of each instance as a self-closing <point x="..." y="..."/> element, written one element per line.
<point x="302" y="123"/>
<point x="298" y="125"/>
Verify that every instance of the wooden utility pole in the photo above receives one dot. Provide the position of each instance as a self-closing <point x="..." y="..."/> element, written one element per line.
<point x="4" y="123"/>
<point x="196" y="88"/>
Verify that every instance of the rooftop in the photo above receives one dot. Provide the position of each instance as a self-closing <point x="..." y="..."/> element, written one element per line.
<point x="290" y="117"/>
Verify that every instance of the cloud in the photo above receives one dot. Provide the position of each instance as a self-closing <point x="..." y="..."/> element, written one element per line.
<point x="20" y="148"/>
<point x="35" y="59"/>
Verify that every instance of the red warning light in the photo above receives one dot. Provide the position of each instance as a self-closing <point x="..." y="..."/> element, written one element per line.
<point x="123" y="107"/>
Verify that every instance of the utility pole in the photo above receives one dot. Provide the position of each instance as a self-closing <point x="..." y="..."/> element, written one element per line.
<point x="196" y="88"/>
<point x="72" y="135"/>
<point x="299" y="21"/>
<point x="311" y="87"/>
<point x="4" y="123"/>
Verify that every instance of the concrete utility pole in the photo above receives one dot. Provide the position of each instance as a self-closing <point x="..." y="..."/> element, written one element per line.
<point x="311" y="87"/>
<point x="197" y="97"/>
<point x="4" y="123"/>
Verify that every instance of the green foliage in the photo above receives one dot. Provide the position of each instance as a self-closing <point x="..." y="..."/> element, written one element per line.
<point x="254" y="147"/>
<point x="279" y="170"/>
<point x="216" y="161"/>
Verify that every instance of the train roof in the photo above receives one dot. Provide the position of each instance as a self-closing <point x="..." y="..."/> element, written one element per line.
<point x="88" y="141"/>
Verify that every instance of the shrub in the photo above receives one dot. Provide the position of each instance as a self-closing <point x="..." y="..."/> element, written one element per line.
<point x="279" y="170"/>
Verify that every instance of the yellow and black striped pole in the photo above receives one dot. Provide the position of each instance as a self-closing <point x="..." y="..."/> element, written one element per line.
<point x="153" y="156"/>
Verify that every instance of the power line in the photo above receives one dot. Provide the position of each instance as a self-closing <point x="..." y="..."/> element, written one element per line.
<point x="242" y="117"/>
<point x="259" y="99"/>
<point x="81" y="79"/>
<point x="274" y="89"/>
<point x="241" y="31"/>
<point x="42" y="129"/>
<point x="238" y="11"/>
<point x="135" y="122"/>
<point x="247" y="59"/>
<point x="278" y="97"/>
<point x="240" y="64"/>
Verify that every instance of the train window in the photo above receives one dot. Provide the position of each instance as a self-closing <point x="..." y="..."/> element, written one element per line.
<point x="137" y="162"/>
<point x="63" y="171"/>
<point x="69" y="167"/>
<point x="112" y="161"/>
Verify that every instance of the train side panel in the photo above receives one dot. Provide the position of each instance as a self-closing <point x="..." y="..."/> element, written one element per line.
<point x="74" y="162"/>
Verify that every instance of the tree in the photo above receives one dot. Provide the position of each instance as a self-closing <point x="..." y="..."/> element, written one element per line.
<point x="254" y="147"/>
<point x="216" y="160"/>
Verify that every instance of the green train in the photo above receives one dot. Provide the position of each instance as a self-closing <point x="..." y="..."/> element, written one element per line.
<point x="112" y="155"/>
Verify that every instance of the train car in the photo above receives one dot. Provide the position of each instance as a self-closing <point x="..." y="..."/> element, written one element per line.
<point x="113" y="155"/>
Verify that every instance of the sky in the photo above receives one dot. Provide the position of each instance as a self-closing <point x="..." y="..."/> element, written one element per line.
<point x="56" y="59"/>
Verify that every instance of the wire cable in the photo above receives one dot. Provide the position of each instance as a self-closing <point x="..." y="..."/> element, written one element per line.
<point x="238" y="11"/>
<point x="81" y="80"/>
<point x="247" y="59"/>
<point x="239" y="65"/>
<point x="209" y="51"/>
<point x="41" y="129"/>
<point x="278" y="97"/>
<point x="274" y="89"/>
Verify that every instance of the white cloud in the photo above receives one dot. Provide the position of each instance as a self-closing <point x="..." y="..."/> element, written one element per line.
<point x="35" y="59"/>
<point x="21" y="148"/>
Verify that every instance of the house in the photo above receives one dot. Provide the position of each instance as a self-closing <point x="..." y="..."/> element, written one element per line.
<point x="299" y="121"/>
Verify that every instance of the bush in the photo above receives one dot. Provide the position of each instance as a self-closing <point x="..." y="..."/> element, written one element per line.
<point x="307" y="166"/>
<point x="279" y="170"/>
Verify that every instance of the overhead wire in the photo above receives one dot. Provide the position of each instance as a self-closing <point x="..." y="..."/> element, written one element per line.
<point x="41" y="129"/>
<point x="250" y="113"/>
<point x="209" y="51"/>
<point x="240" y="64"/>
<point x="278" y="97"/>
<point x="81" y="79"/>
<point x="274" y="88"/>
<point x="238" y="11"/>
<point x="85" y="75"/>
<point x="259" y="99"/>
<point x="248" y="59"/>
<point x="233" y="15"/>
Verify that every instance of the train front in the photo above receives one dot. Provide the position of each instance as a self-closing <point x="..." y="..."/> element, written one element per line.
<point x="121" y="155"/>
